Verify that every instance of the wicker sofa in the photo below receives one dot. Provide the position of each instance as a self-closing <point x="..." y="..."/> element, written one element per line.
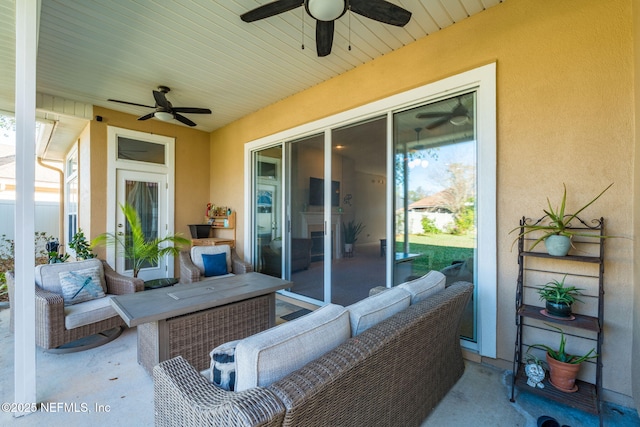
<point x="392" y="374"/>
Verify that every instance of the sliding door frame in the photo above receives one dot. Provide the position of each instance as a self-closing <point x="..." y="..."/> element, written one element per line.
<point x="483" y="81"/>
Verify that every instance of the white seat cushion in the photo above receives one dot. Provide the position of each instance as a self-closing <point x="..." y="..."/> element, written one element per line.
<point x="424" y="286"/>
<point x="269" y="356"/>
<point x="48" y="275"/>
<point x="374" y="309"/>
<point x="88" y="312"/>
<point x="197" y="251"/>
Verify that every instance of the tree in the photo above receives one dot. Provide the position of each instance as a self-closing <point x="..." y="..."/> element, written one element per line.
<point x="461" y="190"/>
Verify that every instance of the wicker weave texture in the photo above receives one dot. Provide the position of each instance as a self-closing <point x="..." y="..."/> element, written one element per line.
<point x="193" y="336"/>
<point x="189" y="273"/>
<point x="50" y="325"/>
<point x="183" y="397"/>
<point x="393" y="374"/>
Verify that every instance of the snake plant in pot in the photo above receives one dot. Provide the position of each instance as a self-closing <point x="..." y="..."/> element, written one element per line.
<point x="557" y="233"/>
<point x="563" y="367"/>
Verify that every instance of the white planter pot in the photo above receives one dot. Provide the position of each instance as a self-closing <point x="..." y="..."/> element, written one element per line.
<point x="557" y="245"/>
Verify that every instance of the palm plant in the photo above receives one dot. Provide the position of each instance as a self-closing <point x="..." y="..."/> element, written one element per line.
<point x="351" y="231"/>
<point x="135" y="246"/>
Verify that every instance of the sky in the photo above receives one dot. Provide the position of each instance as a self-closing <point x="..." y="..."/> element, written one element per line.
<point x="432" y="179"/>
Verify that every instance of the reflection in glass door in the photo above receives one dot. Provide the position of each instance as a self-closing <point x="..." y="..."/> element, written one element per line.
<point x="358" y="209"/>
<point x="305" y="247"/>
<point x="268" y="214"/>
<point x="435" y="194"/>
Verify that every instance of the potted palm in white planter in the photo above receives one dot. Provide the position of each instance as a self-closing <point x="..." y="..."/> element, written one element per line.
<point x="351" y="230"/>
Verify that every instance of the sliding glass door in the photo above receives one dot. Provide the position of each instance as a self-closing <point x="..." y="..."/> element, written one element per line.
<point x="358" y="209"/>
<point x="436" y="194"/>
<point x="389" y="191"/>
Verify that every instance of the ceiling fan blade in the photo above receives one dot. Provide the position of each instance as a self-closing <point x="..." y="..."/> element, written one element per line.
<point x="161" y="100"/>
<point x="324" y="37"/>
<point x="270" y="9"/>
<point x="382" y="11"/>
<point x="433" y="115"/>
<point x="184" y="120"/>
<point x="191" y="110"/>
<point x="146" y="116"/>
<point x="130" y="103"/>
<point x="438" y="123"/>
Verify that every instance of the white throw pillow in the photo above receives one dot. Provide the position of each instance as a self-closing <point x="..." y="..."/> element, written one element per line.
<point x="80" y="285"/>
<point x="48" y="278"/>
<point x="424" y="286"/>
<point x="376" y="308"/>
<point x="268" y="356"/>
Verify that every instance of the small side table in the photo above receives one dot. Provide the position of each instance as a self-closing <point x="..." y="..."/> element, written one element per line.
<point x="160" y="283"/>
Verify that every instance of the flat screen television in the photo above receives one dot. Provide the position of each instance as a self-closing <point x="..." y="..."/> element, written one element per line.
<point x="316" y="192"/>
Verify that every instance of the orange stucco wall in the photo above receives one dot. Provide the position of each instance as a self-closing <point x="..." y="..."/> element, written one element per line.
<point x="192" y="170"/>
<point x="565" y="114"/>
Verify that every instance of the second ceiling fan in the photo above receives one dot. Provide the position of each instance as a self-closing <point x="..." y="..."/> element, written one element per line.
<point x="325" y="12"/>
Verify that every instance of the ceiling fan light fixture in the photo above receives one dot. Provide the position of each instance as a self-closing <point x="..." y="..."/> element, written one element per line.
<point x="326" y="10"/>
<point x="459" y="120"/>
<point x="163" y="115"/>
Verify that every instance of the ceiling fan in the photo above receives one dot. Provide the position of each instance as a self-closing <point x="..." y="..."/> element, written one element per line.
<point x="164" y="110"/>
<point x="325" y="12"/>
<point x="457" y="117"/>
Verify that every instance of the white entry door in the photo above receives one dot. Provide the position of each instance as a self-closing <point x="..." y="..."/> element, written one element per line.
<point x="147" y="193"/>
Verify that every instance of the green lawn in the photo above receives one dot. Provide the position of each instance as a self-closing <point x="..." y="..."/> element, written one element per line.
<point x="439" y="250"/>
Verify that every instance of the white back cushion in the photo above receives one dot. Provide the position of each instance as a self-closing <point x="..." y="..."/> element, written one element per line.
<point x="374" y="309"/>
<point x="197" y="251"/>
<point x="424" y="286"/>
<point x="48" y="275"/>
<point x="270" y="355"/>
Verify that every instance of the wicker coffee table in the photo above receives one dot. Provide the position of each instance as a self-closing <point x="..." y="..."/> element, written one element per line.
<point x="190" y="320"/>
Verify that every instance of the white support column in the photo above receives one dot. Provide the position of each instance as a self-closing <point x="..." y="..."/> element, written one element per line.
<point x="24" y="308"/>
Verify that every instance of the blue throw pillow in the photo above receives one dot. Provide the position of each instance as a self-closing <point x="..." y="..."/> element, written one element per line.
<point x="214" y="265"/>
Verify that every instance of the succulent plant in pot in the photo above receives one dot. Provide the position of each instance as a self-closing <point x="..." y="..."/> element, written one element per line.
<point x="563" y="366"/>
<point x="559" y="297"/>
<point x="557" y="233"/>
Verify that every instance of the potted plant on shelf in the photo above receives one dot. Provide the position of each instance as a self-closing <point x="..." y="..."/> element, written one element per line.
<point x="559" y="298"/>
<point x="135" y="245"/>
<point x="563" y="367"/>
<point x="557" y="233"/>
<point x="351" y="230"/>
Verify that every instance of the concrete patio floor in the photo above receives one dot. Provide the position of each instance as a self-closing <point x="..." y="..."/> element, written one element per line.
<point x="105" y="386"/>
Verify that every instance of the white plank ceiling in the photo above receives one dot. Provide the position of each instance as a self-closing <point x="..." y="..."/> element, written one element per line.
<point x="90" y="51"/>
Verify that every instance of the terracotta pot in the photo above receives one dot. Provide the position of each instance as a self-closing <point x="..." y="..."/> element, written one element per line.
<point x="563" y="375"/>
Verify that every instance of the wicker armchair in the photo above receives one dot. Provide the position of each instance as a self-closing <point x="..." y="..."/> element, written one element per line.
<point x="190" y="272"/>
<point x="91" y="317"/>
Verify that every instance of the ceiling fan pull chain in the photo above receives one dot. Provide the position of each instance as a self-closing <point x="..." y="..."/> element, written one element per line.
<point x="303" y="13"/>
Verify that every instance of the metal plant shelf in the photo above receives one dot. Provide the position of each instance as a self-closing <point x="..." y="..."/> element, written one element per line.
<point x="588" y="397"/>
